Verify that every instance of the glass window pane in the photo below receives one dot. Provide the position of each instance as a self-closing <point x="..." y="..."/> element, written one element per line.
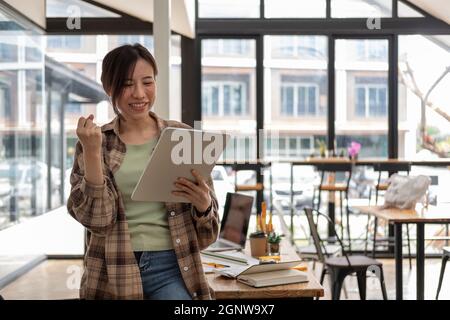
<point x="361" y="8"/>
<point x="229" y="66"/>
<point x="361" y="97"/>
<point x="287" y="103"/>
<point x="295" y="92"/>
<point x="301" y="99"/>
<point x="312" y="98"/>
<point x="228" y="9"/>
<point x="23" y="170"/>
<point x="301" y="47"/>
<point x="295" y="9"/>
<point x="8" y="49"/>
<point x="360" y="101"/>
<point x="424" y="134"/>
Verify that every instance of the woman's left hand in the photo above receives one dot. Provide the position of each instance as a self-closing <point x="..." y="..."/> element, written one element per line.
<point x="197" y="193"/>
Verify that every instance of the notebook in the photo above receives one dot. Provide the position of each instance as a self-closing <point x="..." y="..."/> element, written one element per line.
<point x="264" y="275"/>
<point x="233" y="257"/>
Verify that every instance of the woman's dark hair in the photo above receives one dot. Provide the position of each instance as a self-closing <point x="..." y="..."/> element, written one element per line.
<point x="119" y="64"/>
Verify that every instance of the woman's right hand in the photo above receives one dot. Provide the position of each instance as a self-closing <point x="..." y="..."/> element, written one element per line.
<point x="90" y="135"/>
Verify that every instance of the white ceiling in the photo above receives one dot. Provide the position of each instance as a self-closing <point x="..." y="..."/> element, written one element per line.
<point x="33" y="10"/>
<point x="182" y="12"/>
<point x="437" y="8"/>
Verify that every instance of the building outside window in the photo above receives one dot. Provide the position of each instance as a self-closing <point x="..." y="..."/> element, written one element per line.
<point x="299" y="99"/>
<point x="371" y="50"/>
<point x="371" y="100"/>
<point x="228" y="47"/>
<point x="64" y="42"/>
<point x="224" y="99"/>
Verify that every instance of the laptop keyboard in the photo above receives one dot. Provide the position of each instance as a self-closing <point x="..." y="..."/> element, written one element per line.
<point x="219" y="244"/>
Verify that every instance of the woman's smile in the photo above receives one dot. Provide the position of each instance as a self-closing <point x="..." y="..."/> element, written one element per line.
<point x="138" y="106"/>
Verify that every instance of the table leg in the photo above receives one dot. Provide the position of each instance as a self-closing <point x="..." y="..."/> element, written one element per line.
<point x="332" y="224"/>
<point x="292" y="203"/>
<point x="420" y="261"/>
<point x="398" y="262"/>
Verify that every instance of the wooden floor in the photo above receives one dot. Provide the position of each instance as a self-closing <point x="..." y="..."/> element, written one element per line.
<point x="59" y="279"/>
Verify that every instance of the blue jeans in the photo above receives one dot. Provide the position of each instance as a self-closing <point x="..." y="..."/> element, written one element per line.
<point x="161" y="276"/>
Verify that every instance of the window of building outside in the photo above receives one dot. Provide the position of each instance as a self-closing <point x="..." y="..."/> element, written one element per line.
<point x="371" y="98"/>
<point x="299" y="99"/>
<point x="225" y="98"/>
<point x="64" y="42"/>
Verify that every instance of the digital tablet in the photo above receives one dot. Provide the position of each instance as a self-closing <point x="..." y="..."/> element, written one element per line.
<point x="176" y="153"/>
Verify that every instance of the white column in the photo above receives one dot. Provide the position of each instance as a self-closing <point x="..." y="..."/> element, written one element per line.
<point x="161" y="34"/>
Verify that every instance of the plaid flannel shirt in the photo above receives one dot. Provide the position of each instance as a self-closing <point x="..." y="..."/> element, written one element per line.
<point x="110" y="267"/>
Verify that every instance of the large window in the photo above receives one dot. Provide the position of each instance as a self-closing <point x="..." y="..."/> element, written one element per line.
<point x="295" y="79"/>
<point x="229" y="94"/>
<point x="23" y="166"/>
<point x="362" y="96"/>
<point x="424" y="127"/>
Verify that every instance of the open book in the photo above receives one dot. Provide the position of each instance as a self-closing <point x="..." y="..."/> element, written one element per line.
<point x="264" y="275"/>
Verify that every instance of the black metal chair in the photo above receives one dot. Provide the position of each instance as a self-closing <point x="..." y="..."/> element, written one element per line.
<point x="330" y="170"/>
<point x="340" y="267"/>
<point x="382" y="186"/>
<point x="445" y="257"/>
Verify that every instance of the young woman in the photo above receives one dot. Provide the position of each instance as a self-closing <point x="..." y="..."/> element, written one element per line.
<point x="136" y="250"/>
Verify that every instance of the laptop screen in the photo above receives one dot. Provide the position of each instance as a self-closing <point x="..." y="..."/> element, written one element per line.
<point x="236" y="217"/>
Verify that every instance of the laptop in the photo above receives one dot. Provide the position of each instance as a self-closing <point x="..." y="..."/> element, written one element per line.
<point x="234" y="225"/>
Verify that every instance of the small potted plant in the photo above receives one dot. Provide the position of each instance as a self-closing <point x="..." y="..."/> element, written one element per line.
<point x="353" y="150"/>
<point x="273" y="241"/>
<point x="322" y="147"/>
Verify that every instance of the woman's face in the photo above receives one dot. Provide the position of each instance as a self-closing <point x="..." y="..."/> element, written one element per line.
<point x="139" y="92"/>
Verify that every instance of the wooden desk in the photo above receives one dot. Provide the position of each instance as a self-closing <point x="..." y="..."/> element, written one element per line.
<point x="419" y="217"/>
<point x="225" y="288"/>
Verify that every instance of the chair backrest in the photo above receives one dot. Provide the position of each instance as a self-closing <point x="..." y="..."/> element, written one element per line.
<point x="318" y="243"/>
<point x="335" y="167"/>
<point x="391" y="167"/>
<point x="315" y="234"/>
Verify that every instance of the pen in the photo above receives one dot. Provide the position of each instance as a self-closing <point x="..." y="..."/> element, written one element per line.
<point x="215" y="265"/>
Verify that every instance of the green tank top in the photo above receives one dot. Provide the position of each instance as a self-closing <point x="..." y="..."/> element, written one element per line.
<point x="147" y="221"/>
